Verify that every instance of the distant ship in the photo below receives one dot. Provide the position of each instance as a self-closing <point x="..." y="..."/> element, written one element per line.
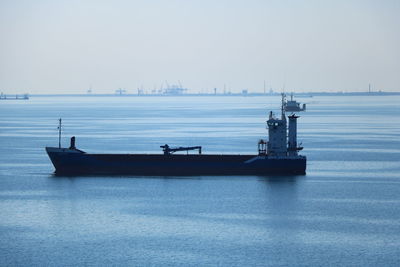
<point x="14" y="97"/>
<point x="292" y="105"/>
<point x="278" y="155"/>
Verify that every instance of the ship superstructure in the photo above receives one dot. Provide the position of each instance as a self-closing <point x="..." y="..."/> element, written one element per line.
<point x="277" y="155"/>
<point x="282" y="138"/>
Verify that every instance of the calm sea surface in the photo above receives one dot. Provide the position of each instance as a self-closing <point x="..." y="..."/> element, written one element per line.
<point x="344" y="212"/>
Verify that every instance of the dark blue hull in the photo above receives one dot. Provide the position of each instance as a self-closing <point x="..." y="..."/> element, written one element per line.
<point x="68" y="162"/>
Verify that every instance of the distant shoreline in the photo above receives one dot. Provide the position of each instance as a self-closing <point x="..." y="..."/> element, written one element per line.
<point x="310" y="94"/>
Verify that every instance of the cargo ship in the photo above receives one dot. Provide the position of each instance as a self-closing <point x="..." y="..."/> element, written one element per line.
<point x="278" y="155"/>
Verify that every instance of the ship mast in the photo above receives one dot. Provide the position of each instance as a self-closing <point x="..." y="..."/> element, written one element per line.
<point x="59" y="133"/>
<point x="283" y="107"/>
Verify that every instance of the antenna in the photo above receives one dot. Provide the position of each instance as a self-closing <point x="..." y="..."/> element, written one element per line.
<point x="283" y="106"/>
<point x="59" y="133"/>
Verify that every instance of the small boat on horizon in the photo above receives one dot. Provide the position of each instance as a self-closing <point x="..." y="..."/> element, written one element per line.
<point x="14" y="97"/>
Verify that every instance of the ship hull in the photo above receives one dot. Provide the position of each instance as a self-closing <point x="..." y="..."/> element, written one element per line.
<point x="76" y="162"/>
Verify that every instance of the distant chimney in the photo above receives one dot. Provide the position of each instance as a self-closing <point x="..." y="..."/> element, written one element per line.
<point x="72" y="146"/>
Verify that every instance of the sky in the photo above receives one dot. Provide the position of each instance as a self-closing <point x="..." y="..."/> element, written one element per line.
<point x="69" y="46"/>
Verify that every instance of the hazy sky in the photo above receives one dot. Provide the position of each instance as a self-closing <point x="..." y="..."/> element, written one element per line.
<point x="66" y="46"/>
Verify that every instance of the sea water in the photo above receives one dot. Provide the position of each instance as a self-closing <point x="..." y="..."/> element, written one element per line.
<point x="344" y="211"/>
